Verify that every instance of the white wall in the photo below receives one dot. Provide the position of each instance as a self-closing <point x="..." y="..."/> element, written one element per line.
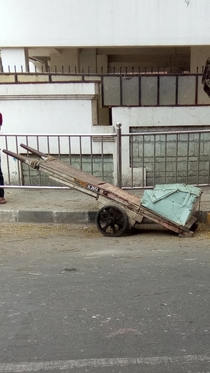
<point x="47" y="108"/>
<point x="103" y="23"/>
<point x="161" y="116"/>
<point x="14" y="59"/>
<point x="46" y="116"/>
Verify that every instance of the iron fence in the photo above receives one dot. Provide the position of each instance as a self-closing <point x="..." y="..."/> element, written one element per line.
<point x="135" y="160"/>
<point x="89" y="153"/>
<point x="141" y="88"/>
<point x="167" y="157"/>
<point x="61" y="69"/>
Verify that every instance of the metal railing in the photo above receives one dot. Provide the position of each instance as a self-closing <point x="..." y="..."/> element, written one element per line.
<point x="167" y="157"/>
<point x="142" y="88"/>
<point x="136" y="160"/>
<point x="130" y="69"/>
<point x="153" y="90"/>
<point x="90" y="153"/>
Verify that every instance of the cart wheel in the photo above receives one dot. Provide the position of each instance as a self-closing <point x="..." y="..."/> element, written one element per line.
<point x="111" y="221"/>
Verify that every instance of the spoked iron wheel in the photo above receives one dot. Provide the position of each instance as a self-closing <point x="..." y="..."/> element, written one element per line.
<point x="111" y="221"/>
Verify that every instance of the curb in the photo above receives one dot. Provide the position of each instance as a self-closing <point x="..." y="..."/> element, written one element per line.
<point x="65" y="217"/>
<point x="56" y="217"/>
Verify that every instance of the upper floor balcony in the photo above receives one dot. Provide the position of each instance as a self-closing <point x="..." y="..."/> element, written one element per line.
<point x="125" y="87"/>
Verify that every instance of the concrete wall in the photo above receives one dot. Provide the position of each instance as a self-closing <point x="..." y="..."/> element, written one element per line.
<point x="49" y="109"/>
<point x="14" y="59"/>
<point x="161" y="116"/>
<point x="69" y="109"/>
<point x="103" y="23"/>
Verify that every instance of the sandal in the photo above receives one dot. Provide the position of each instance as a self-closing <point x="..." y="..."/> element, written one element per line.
<point x="2" y="200"/>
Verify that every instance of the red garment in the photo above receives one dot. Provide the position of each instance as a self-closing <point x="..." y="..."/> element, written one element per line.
<point x="1" y="119"/>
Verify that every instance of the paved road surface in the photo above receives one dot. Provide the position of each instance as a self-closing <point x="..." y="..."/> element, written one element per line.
<point x="74" y="301"/>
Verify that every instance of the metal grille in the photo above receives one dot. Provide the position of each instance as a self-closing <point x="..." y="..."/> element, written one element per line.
<point x="133" y="160"/>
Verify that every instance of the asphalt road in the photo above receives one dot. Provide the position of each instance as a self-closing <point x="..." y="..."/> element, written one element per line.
<point x="74" y="301"/>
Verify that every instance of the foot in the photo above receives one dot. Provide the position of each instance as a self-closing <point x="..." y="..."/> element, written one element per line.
<point x="2" y="200"/>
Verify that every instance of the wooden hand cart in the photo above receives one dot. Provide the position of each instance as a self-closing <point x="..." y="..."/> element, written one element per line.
<point x="119" y="210"/>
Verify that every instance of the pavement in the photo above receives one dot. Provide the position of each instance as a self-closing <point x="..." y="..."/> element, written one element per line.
<point x="64" y="206"/>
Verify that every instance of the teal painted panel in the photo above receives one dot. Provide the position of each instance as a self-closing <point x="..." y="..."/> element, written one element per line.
<point x="175" y="202"/>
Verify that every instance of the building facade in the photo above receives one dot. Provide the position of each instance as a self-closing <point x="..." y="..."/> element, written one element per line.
<point x="82" y="66"/>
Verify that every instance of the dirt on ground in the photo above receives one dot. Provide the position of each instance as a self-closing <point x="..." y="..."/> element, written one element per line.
<point x="44" y="230"/>
<point x="25" y="231"/>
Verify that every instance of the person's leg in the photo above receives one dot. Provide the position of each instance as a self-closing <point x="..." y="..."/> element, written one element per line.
<point x="2" y="200"/>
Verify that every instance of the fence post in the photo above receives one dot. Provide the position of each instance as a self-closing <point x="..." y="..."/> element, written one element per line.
<point x="119" y="155"/>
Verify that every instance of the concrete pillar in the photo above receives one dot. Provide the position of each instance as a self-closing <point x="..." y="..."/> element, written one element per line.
<point x="198" y="57"/>
<point x="102" y="63"/>
<point x="65" y="60"/>
<point x="104" y="114"/>
<point x="87" y="60"/>
<point x="15" y="59"/>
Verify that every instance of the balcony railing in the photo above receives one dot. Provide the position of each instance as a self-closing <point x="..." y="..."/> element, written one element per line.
<point x="153" y="90"/>
<point x="145" y="88"/>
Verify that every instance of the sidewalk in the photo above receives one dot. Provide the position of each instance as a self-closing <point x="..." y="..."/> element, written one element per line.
<point x="63" y="206"/>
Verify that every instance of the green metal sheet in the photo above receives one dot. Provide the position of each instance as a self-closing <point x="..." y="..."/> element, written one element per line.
<point x="175" y="202"/>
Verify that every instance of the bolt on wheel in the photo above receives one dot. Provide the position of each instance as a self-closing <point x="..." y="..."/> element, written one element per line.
<point x="111" y="221"/>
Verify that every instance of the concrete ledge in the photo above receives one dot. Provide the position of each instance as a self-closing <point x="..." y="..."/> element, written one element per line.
<point x="35" y="216"/>
<point x="57" y="217"/>
<point x="7" y="216"/>
<point x="65" y="217"/>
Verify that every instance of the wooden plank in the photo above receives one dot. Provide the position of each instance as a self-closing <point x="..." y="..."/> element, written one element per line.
<point x="68" y="175"/>
<point x="69" y="172"/>
<point x="113" y="192"/>
<point x="191" y="222"/>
